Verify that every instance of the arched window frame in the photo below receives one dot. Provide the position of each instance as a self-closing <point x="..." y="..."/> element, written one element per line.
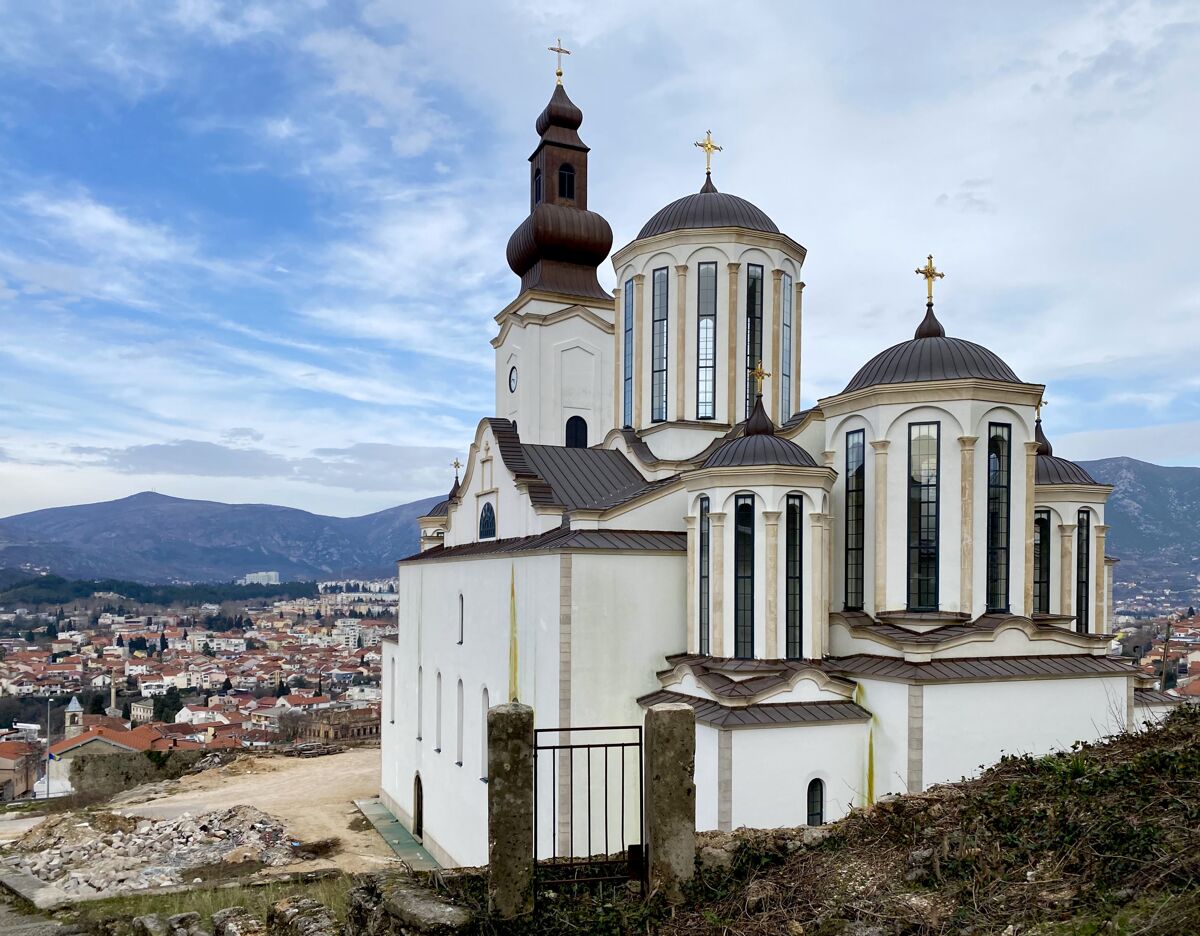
<point x="1083" y="569"/>
<point x="1041" y="560"/>
<point x="743" y="576"/>
<point x="576" y="432"/>
<point x="537" y="187"/>
<point x="924" y="520"/>
<point x="704" y="602"/>
<point x="794" y="577"/>
<point x="487" y="522"/>
<point x="461" y="620"/>
<point x="999" y="512"/>
<point x="816" y="802"/>
<point x="437" y="716"/>
<point x="566" y="181"/>
<point x="706" y="340"/>
<point x="458" y="745"/>
<point x="856" y="498"/>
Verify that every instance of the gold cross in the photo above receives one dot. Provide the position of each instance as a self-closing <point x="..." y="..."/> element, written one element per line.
<point x="558" y="50"/>
<point x="1042" y="402"/>
<point x="759" y="374"/>
<point x="930" y="272"/>
<point x="457" y="464"/>
<point x="709" y="148"/>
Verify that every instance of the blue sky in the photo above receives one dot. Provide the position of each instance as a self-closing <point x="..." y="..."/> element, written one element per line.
<point x="252" y="251"/>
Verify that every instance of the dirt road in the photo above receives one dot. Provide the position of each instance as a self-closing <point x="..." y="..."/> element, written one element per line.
<point x="312" y="797"/>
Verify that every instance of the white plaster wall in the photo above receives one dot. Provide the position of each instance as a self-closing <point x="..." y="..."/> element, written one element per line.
<point x="772" y="768"/>
<point x="455" y="798"/>
<point x="888" y="704"/>
<point x="706" y="777"/>
<point x="969" y="725"/>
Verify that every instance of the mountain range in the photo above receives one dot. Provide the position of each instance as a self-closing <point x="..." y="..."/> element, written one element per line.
<point x="156" y="539"/>
<point x="1153" y="518"/>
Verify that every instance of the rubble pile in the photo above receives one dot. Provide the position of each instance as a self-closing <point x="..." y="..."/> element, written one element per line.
<point x="104" y="852"/>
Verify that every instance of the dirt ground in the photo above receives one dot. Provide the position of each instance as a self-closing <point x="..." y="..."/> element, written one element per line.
<point x="313" y="798"/>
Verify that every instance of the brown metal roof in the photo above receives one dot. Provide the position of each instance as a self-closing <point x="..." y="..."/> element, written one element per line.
<point x="931" y="358"/>
<point x="763" y="713"/>
<point x="1155" y="697"/>
<point x="563" y="539"/>
<point x="708" y="208"/>
<point x="1054" y="470"/>
<point x="977" y="668"/>
<point x="584" y="477"/>
<point x="984" y="623"/>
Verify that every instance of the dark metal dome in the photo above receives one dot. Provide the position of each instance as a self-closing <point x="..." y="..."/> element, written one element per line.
<point x="708" y="208"/>
<point x="930" y="355"/>
<point x="759" y="445"/>
<point x="1054" y="470"/>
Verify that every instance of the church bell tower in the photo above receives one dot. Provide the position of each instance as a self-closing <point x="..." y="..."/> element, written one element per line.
<point x="554" y="366"/>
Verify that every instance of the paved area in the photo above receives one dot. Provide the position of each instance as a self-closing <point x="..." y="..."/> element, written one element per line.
<point x="14" y="828"/>
<point x="312" y="797"/>
<point x="399" y="839"/>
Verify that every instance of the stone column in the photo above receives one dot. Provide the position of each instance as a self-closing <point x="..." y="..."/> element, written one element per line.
<point x="618" y="355"/>
<point x="1031" y="449"/>
<point x="716" y="582"/>
<point x="732" y="366"/>
<point x="797" y="318"/>
<point x="1109" y="570"/>
<point x="879" y="511"/>
<point x="966" y="592"/>
<point x="671" y="797"/>
<point x="1066" y="569"/>
<point x="639" y="318"/>
<point x="510" y="810"/>
<point x="1099" y="584"/>
<point x="771" y="648"/>
<point x="680" y="339"/>
<point x="776" y="406"/>
<point x="693" y="557"/>
<point x="820" y="601"/>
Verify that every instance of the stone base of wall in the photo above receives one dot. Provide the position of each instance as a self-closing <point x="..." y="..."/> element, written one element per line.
<point x="400" y="905"/>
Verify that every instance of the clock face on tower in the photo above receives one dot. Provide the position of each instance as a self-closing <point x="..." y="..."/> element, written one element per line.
<point x="512" y="380"/>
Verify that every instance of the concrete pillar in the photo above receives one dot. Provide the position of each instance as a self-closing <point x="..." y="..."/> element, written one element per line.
<point x="1031" y="450"/>
<point x="879" y="511"/>
<point x="966" y="591"/>
<point x="639" y="298"/>
<point x="680" y="340"/>
<point x="1099" y="616"/>
<point x="1109" y="569"/>
<point x="693" y="559"/>
<point x="820" y="600"/>
<point x="510" y="810"/>
<point x="797" y="319"/>
<point x="671" y="797"/>
<point x="1066" y="569"/>
<point x="771" y="647"/>
<point x="773" y="331"/>
<point x="618" y="357"/>
<point x="735" y="368"/>
<point x="716" y="582"/>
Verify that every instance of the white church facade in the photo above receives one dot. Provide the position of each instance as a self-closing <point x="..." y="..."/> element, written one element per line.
<point x="880" y="592"/>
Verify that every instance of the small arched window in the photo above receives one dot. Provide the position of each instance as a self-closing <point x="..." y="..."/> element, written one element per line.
<point x="576" y="432"/>
<point x="437" y="720"/>
<point x="566" y="181"/>
<point x="420" y="703"/>
<point x="460" y="619"/>
<point x="537" y="186"/>
<point x="458" y="746"/>
<point x="392" y="694"/>
<point x="483" y="746"/>
<point x="487" y="522"/>
<point x="816" y="802"/>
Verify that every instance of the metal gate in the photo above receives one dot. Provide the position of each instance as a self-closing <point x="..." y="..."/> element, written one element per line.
<point x="589" y="825"/>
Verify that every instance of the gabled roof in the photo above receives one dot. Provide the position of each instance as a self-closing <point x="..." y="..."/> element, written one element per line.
<point x="762" y="713"/>
<point x="563" y="538"/>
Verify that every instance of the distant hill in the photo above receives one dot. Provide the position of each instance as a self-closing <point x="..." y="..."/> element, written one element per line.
<point x="1153" y="517"/>
<point x="154" y="538"/>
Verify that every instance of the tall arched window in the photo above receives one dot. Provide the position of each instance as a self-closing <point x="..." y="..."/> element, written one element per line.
<point x="856" y="492"/>
<point x="923" y="504"/>
<point x="754" y="328"/>
<point x="566" y="181"/>
<point x="816" y="802"/>
<point x="437" y="714"/>
<point x="1041" y="561"/>
<point x="658" y="345"/>
<point x="999" y="474"/>
<point x="420" y="703"/>
<point x="487" y="522"/>
<point x="785" y="347"/>
<point x="461" y="623"/>
<point x="706" y="341"/>
<point x="458" y="745"/>
<point x="392" y="694"/>
<point x="743" y="577"/>
<point x="627" y="357"/>
<point x="794" y="619"/>
<point x="576" y="432"/>
<point x="537" y="186"/>
<point x="703" y="604"/>
<point x="1083" y="565"/>
<point x="483" y="746"/>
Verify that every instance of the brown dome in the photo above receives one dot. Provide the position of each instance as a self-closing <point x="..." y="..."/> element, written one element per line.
<point x="758" y="445"/>
<point x="708" y="208"/>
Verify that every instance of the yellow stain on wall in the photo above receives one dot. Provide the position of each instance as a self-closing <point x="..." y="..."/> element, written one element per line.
<point x="512" y="636"/>
<point x="860" y="697"/>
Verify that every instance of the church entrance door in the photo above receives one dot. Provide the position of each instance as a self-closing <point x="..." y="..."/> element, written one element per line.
<point x="418" y="828"/>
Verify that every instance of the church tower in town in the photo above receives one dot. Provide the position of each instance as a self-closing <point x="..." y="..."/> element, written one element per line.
<point x="554" y="349"/>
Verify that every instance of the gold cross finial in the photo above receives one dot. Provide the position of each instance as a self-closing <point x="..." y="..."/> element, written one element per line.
<point x="759" y="375"/>
<point x="456" y="464"/>
<point x="930" y="272"/>
<point x="558" y="50"/>
<point x="709" y="148"/>
<point x="1042" y="402"/>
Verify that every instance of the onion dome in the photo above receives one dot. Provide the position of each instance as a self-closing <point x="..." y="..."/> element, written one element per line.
<point x="560" y="245"/>
<point x="758" y="445"/>
<point x="930" y="355"/>
<point x="708" y="208"/>
<point x="1054" y="470"/>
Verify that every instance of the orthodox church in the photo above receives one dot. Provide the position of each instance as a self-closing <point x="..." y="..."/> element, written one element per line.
<point x="877" y="593"/>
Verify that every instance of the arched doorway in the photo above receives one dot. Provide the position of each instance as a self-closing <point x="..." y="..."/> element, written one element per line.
<point x="418" y="828"/>
<point x="576" y="432"/>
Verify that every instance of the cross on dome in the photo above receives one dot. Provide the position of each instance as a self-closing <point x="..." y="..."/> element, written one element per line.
<point x="759" y="374"/>
<point x="930" y="272"/>
<point x="559" y="51"/>
<point x="709" y="148"/>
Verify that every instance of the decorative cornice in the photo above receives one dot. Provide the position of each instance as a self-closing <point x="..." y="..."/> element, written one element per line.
<point x="702" y="236"/>
<point x="933" y="391"/>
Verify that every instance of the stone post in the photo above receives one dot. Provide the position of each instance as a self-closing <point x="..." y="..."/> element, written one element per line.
<point x="510" y="810"/>
<point x="797" y="319"/>
<point x="1031" y="450"/>
<point x="771" y="521"/>
<point x="693" y="560"/>
<point x="1066" y="569"/>
<point x="776" y="405"/>
<point x="879" y="512"/>
<point x="1099" y="584"/>
<point x="736" y="369"/>
<point x="716" y="582"/>
<point x="639" y="299"/>
<point x="671" y="797"/>
<point x="815" y="648"/>
<point x="966" y="590"/>
<point x="618" y="355"/>
<point x="681" y="331"/>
